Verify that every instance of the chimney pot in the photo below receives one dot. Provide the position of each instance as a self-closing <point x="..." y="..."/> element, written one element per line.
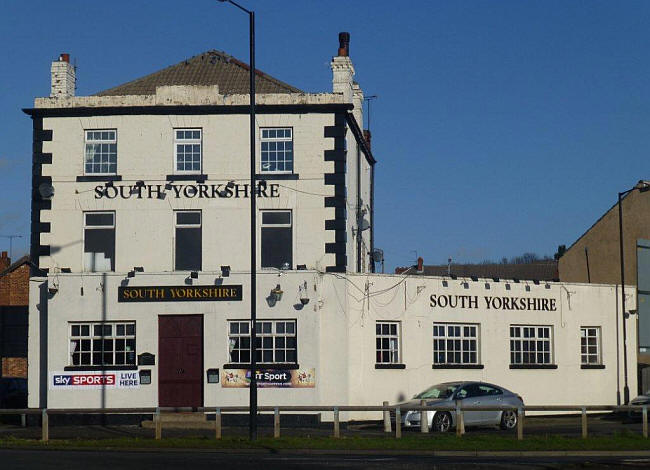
<point x="420" y="264"/>
<point x="344" y="44"/>
<point x="65" y="57"/>
<point x="4" y="254"/>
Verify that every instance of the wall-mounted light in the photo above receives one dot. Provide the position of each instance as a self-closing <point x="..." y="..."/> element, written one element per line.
<point x="139" y="184"/>
<point x="161" y="196"/>
<point x="130" y="274"/>
<point x="194" y="275"/>
<point x="168" y="185"/>
<point x="302" y="292"/>
<point x="108" y="184"/>
<point x="276" y="293"/>
<point x="138" y="269"/>
<point x="230" y="185"/>
<point x="301" y="267"/>
<point x="225" y="271"/>
<point x="66" y="270"/>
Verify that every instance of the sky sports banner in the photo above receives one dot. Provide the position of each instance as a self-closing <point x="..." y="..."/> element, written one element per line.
<point x="94" y="380"/>
<point x="241" y="378"/>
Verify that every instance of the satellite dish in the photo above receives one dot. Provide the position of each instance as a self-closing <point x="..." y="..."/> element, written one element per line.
<point x="46" y="190"/>
<point x="364" y="225"/>
<point x="378" y="255"/>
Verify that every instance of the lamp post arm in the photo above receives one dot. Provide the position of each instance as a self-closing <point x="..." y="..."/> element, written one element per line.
<point x="238" y="6"/>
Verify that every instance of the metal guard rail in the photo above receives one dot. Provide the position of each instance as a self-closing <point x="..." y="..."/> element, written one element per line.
<point x="385" y="408"/>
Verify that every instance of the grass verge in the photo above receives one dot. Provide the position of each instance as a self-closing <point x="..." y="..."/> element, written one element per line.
<point x="617" y="442"/>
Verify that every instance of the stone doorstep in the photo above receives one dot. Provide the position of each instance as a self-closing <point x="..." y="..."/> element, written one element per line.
<point x="189" y="420"/>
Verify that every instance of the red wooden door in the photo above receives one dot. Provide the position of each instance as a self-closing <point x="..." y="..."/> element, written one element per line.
<point x="180" y="356"/>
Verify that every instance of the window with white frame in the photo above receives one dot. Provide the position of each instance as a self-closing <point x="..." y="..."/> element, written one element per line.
<point x="188" y="247"/>
<point x="277" y="150"/>
<point x="99" y="241"/>
<point x="455" y="343"/>
<point x="102" y="344"/>
<point x="387" y="342"/>
<point x="531" y="344"/>
<point x="101" y="152"/>
<point x="187" y="150"/>
<point x="590" y="345"/>
<point x="276" y="341"/>
<point x="277" y="239"/>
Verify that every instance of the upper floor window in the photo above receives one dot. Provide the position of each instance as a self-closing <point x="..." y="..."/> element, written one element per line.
<point x="188" y="248"/>
<point x="277" y="150"/>
<point x="101" y="152"/>
<point x="99" y="241"/>
<point x="187" y="150"/>
<point x="277" y="240"/>
<point x="590" y="345"/>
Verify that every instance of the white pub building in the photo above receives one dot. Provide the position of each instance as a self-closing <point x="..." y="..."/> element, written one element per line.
<point x="141" y="233"/>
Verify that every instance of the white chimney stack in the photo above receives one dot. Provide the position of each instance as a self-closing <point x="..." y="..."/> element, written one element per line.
<point x="63" y="77"/>
<point x="342" y="69"/>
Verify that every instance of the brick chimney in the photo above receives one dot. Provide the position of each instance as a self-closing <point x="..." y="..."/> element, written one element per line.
<point x="63" y="78"/>
<point x="5" y="262"/>
<point x="342" y="69"/>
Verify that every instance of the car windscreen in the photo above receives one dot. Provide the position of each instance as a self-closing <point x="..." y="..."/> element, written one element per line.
<point x="438" y="391"/>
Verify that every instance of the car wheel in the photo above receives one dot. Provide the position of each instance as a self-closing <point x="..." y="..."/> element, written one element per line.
<point x="509" y="419"/>
<point x="441" y="422"/>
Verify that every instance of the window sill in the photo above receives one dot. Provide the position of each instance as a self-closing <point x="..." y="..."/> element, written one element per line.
<point x="90" y="178"/>
<point x="263" y="366"/>
<point x="390" y="366"/>
<point x="533" y="366"/>
<point x="592" y="366"/>
<point x="457" y="366"/>
<point x="99" y="368"/>
<point x="277" y="176"/>
<point x="198" y="177"/>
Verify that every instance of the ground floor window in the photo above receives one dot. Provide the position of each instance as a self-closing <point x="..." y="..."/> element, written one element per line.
<point x="102" y="344"/>
<point x="590" y="345"/>
<point x="387" y="342"/>
<point x="276" y="341"/>
<point x="530" y="344"/>
<point x="455" y="343"/>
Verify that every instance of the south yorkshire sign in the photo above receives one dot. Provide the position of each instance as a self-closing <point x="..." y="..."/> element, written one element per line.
<point x="186" y="191"/>
<point x="179" y="293"/>
<point x="493" y="302"/>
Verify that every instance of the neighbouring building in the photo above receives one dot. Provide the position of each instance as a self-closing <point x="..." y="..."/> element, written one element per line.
<point x="140" y="231"/>
<point x="14" y="294"/>
<point x="595" y="257"/>
<point x="541" y="270"/>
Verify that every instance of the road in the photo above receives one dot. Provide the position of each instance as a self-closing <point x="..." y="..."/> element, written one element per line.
<point x="198" y="460"/>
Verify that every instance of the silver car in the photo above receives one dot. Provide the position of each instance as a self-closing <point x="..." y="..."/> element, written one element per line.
<point x="470" y="394"/>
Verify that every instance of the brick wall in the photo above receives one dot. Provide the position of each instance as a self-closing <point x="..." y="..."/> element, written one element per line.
<point x="14" y="367"/>
<point x="14" y="287"/>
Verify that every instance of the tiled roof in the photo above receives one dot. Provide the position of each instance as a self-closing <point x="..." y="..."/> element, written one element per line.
<point x="210" y="68"/>
<point x="540" y="271"/>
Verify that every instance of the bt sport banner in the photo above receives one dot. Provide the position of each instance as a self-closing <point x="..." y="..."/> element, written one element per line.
<point x="241" y="378"/>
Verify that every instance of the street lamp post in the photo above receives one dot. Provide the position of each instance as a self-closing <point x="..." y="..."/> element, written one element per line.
<point x="641" y="186"/>
<point x="252" y="423"/>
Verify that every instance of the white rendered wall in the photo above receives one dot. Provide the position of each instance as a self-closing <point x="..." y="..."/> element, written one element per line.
<point x="144" y="227"/>
<point x="336" y="336"/>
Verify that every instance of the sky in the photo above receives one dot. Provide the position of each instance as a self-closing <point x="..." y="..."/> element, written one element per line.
<point x="499" y="127"/>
